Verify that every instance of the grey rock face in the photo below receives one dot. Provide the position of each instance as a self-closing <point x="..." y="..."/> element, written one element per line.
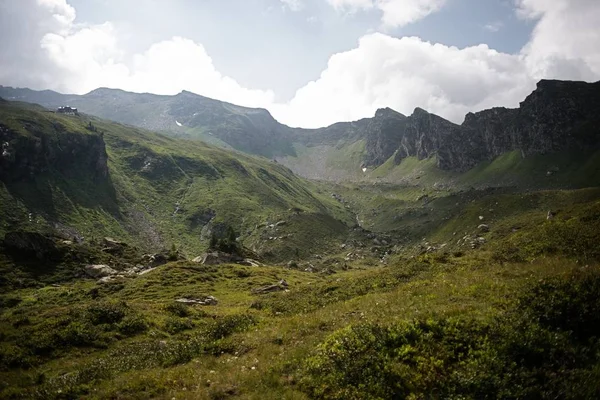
<point x="557" y="116"/>
<point x="24" y="157"/>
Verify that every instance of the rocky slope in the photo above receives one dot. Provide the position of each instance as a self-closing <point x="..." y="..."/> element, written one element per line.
<point x="557" y="116"/>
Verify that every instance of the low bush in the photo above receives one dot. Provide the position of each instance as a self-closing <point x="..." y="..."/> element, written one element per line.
<point x="178" y="309"/>
<point x="105" y="312"/>
<point x="575" y="237"/>
<point x="174" y="325"/>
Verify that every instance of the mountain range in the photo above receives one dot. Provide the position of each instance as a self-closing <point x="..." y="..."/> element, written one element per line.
<point x="557" y="116"/>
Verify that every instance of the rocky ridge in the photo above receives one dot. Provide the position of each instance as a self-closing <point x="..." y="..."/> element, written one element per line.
<point x="557" y="116"/>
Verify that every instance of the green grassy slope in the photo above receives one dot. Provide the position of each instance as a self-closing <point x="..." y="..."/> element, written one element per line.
<point x="475" y="323"/>
<point x="158" y="191"/>
<point x="396" y="291"/>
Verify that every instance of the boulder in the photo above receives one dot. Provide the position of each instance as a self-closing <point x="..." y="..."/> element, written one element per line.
<point x="250" y="262"/>
<point x="154" y="260"/>
<point x="145" y="271"/>
<point x="282" y="285"/>
<point x="217" y="257"/>
<point x="113" y="246"/>
<point x="484" y="228"/>
<point x="111" y="278"/>
<point x="204" y="301"/>
<point x="99" y="271"/>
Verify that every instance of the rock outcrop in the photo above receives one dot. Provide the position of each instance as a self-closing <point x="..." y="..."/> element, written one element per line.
<point x="31" y="244"/>
<point x="25" y="156"/>
<point x="557" y="116"/>
<point x="99" y="271"/>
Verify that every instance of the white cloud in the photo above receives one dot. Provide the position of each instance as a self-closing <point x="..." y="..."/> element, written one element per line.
<point x="394" y="12"/>
<point x="403" y="73"/>
<point x="294" y="5"/>
<point x="351" y="5"/>
<point x="404" y="12"/>
<point x="565" y="41"/>
<point x="47" y="48"/>
<point x="77" y="59"/>
<point x="494" y="26"/>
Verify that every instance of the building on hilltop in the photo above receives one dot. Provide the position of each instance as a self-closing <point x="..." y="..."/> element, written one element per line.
<point x="67" y="110"/>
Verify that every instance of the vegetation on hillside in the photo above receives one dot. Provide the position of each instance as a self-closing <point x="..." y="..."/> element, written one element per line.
<point x="427" y="288"/>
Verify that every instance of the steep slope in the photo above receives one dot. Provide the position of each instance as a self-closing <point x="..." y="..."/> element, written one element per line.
<point x="558" y="116"/>
<point x="85" y="177"/>
<point x="187" y="114"/>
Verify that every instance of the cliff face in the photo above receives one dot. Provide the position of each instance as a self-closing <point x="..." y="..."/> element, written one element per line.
<point x="557" y="116"/>
<point x="383" y="140"/>
<point x="25" y="156"/>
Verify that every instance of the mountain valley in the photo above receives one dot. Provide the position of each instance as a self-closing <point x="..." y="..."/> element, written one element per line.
<point x="183" y="247"/>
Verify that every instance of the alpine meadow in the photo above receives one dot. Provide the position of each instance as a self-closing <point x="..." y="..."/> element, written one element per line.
<point x="163" y="244"/>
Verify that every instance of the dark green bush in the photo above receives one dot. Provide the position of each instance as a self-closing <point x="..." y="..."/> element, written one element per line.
<point x="174" y="325"/>
<point x="178" y="309"/>
<point x="132" y="325"/>
<point x="575" y="237"/>
<point x="566" y="304"/>
<point x="105" y="312"/>
<point x="373" y="362"/>
<point x="229" y="325"/>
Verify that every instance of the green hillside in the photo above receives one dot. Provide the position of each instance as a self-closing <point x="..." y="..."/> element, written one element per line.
<point x="157" y="190"/>
<point x="406" y="282"/>
<point x="517" y="315"/>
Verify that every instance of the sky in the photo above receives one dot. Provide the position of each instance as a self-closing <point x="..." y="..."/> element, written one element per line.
<point x="311" y="63"/>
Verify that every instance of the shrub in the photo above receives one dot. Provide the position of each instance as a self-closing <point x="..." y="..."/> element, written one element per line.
<point x="569" y="305"/>
<point x="132" y="325"/>
<point x="106" y="312"/>
<point x="174" y="325"/>
<point x="548" y="346"/>
<point x="178" y="309"/>
<point x="576" y="237"/>
<point x="370" y="361"/>
<point x="229" y="325"/>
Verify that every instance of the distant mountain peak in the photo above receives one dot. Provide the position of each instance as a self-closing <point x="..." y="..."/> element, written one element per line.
<point x="387" y="112"/>
<point x="187" y="93"/>
<point x="420" y="111"/>
<point x="103" y="90"/>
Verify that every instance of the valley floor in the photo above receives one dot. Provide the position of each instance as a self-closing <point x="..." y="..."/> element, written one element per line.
<point x="518" y="317"/>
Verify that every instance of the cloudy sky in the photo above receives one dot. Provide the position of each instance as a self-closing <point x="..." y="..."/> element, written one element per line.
<point x="310" y="62"/>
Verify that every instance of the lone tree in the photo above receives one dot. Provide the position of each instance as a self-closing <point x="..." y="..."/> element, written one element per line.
<point x="226" y="243"/>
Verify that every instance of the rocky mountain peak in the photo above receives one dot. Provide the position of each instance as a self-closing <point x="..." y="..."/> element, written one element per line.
<point x="388" y="113"/>
<point x="557" y="116"/>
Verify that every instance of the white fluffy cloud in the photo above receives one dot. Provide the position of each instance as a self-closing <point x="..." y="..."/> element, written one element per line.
<point x="565" y="43"/>
<point x="403" y="73"/>
<point x="47" y="48"/>
<point x="394" y="12"/>
<point x="351" y="5"/>
<point x="53" y="52"/>
<point x="408" y="72"/>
